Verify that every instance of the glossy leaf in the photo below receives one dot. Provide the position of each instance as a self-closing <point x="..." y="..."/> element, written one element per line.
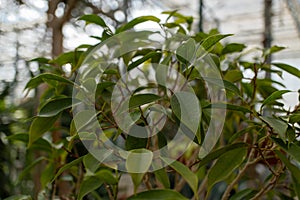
<point x="166" y="194"/>
<point x="274" y="96"/>
<point x="233" y="47"/>
<point x="219" y="152"/>
<point x="95" y="19"/>
<point x="279" y="126"/>
<point x="225" y="165"/>
<point x="185" y="172"/>
<point x="141" y="99"/>
<point x="54" y="107"/>
<point x="212" y="40"/>
<point x="39" y="126"/>
<point x="136" y="21"/>
<point x="42" y="78"/>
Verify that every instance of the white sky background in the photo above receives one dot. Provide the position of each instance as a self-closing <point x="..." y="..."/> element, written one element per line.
<point x="242" y="18"/>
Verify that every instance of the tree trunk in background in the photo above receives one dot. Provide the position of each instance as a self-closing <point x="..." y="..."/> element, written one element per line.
<point x="200" y="25"/>
<point x="267" y="38"/>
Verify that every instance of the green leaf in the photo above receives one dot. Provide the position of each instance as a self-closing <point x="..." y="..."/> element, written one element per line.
<point x="136" y="21"/>
<point x="48" y="174"/>
<point x="274" y="96"/>
<point x="190" y="177"/>
<point x="69" y="57"/>
<point x="54" y="107"/>
<point x="89" y="184"/>
<point x="139" y="160"/>
<point x="135" y="142"/>
<point x="28" y="168"/>
<point x="142" y="60"/>
<point x="294" y="118"/>
<point x="46" y="77"/>
<point x="67" y="166"/>
<point x="212" y="40"/>
<point x="292" y="149"/>
<point x="217" y="153"/>
<point x="277" y="125"/>
<point x="91" y="163"/>
<point x="41" y="144"/>
<point x="233" y="76"/>
<point x="273" y="49"/>
<point x="39" y="126"/>
<point x="166" y="194"/>
<point x="223" y="84"/>
<point x="225" y="165"/>
<point x="233" y="47"/>
<point x="162" y="177"/>
<point x="228" y="107"/>
<point x="244" y="194"/>
<point x="294" y="170"/>
<point x="95" y="19"/>
<point x="186" y="52"/>
<point x="141" y="99"/>
<point x="19" y="197"/>
<point x="288" y="68"/>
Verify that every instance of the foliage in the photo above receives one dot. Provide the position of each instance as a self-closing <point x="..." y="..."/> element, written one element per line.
<point x="258" y="130"/>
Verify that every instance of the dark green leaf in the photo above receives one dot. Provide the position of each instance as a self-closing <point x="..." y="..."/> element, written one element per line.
<point x="142" y="60"/>
<point x="278" y="126"/>
<point x="54" y="107"/>
<point x="141" y="99"/>
<point x="225" y="165"/>
<point x="36" y="81"/>
<point x="244" y="194"/>
<point x="95" y="19"/>
<point x="136" y="21"/>
<point x="158" y="195"/>
<point x="233" y="47"/>
<point x="162" y="177"/>
<point x="212" y="40"/>
<point x="185" y="172"/>
<point x="228" y="107"/>
<point x="294" y="170"/>
<point x="288" y="68"/>
<point x="89" y="184"/>
<point x="67" y="166"/>
<point x="39" y="126"/>
<point x="28" y="168"/>
<point x="48" y="174"/>
<point x="223" y="84"/>
<point x="135" y="142"/>
<point x="274" y="96"/>
<point x="217" y="153"/>
<point x="292" y="149"/>
<point x="294" y="118"/>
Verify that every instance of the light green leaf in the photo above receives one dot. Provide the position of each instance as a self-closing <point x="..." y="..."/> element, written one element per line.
<point x="279" y="126"/>
<point x="288" y="68"/>
<point x="139" y="160"/>
<point x="39" y="126"/>
<point x="141" y="99"/>
<point x="225" y="165"/>
<point x="233" y="76"/>
<point x="136" y="21"/>
<point x="190" y="177"/>
<point x="48" y="174"/>
<point x="274" y="96"/>
<point x="91" y="163"/>
<point x="158" y="195"/>
<point x="36" y="81"/>
<point x="54" y="107"/>
<point x="244" y="194"/>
